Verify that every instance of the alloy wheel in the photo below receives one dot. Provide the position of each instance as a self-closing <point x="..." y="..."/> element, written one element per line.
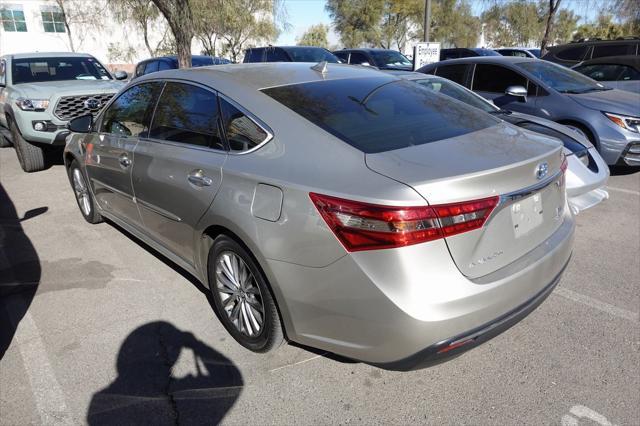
<point x="239" y="293"/>
<point x="82" y="192"/>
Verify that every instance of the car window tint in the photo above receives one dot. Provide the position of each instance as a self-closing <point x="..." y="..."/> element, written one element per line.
<point x="276" y="55"/>
<point x="139" y="70"/>
<point x="253" y="55"/>
<point x="358" y="58"/>
<point x="187" y="114"/>
<point x="151" y="67"/>
<point x="601" y="72"/>
<point x="164" y="65"/>
<point x="495" y="78"/>
<point x="457" y="73"/>
<point x="629" y="73"/>
<point x="573" y="53"/>
<point x="603" y="50"/>
<point x="129" y="114"/>
<point x="242" y="132"/>
<point x="381" y="113"/>
<point x="343" y="56"/>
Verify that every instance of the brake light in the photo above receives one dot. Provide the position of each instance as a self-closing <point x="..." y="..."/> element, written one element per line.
<point x="363" y="226"/>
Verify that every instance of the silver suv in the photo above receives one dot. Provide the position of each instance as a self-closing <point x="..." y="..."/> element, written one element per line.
<point x="41" y="92"/>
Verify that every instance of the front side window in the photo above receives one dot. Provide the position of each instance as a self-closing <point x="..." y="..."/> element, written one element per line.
<point x="129" y="114"/>
<point x="457" y="73"/>
<point x="381" y="113"/>
<point x="242" y="132"/>
<point x="36" y="70"/>
<point x="187" y="114"/>
<point x="276" y="55"/>
<point x="358" y="58"/>
<point x="312" y="54"/>
<point x="253" y="55"/>
<point x="496" y="79"/>
<point x="390" y="59"/>
<point x="52" y="19"/>
<point x="343" y="56"/>
<point x="164" y="65"/>
<point x="151" y="66"/>
<point x="12" y="17"/>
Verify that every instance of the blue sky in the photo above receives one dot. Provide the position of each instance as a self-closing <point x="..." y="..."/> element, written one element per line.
<point x="301" y="14"/>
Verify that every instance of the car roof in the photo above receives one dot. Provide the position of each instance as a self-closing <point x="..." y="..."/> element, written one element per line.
<point x="365" y="49"/>
<point x="632" y="60"/>
<point x="592" y="42"/>
<point x="49" y="55"/>
<point x="262" y="75"/>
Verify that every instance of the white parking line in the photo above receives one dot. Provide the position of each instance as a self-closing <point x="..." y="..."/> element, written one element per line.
<point x="297" y="363"/>
<point x="597" y="304"/>
<point x="625" y="191"/>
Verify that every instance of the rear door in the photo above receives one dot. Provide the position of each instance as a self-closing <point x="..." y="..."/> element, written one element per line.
<point x="458" y="73"/>
<point x="178" y="168"/>
<point x="109" y="154"/>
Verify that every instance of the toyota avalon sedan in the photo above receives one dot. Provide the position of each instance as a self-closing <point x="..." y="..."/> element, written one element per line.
<point x="338" y="207"/>
<point x="587" y="173"/>
<point x="609" y="118"/>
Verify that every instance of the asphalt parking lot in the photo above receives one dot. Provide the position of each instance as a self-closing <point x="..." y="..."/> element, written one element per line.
<point x="95" y="328"/>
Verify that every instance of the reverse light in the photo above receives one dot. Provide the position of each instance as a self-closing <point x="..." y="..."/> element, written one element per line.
<point x="631" y="124"/>
<point x="32" y="104"/>
<point x="363" y="226"/>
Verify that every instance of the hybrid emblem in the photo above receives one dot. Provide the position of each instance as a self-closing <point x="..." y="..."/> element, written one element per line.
<point x="92" y="103"/>
<point x="542" y="170"/>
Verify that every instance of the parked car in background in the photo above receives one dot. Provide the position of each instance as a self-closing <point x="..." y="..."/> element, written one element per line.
<point x="41" y="92"/>
<point x="384" y="59"/>
<point x="170" y="62"/>
<point x="587" y="173"/>
<point x="609" y="118"/>
<point x="619" y="72"/>
<point x="576" y="52"/>
<point x="343" y="207"/>
<point x="460" y="52"/>
<point x="289" y="54"/>
<point x="523" y="52"/>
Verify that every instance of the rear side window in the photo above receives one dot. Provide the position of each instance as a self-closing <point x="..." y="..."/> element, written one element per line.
<point x="629" y="73"/>
<point x="358" y="58"/>
<point x="382" y="113"/>
<point x="601" y="72"/>
<point x="276" y="55"/>
<point x="253" y="55"/>
<point x="151" y="67"/>
<point x="164" y="65"/>
<point x="187" y="114"/>
<point x="343" y="56"/>
<point x="456" y="73"/>
<point x="573" y="53"/>
<point x="242" y="132"/>
<point x="496" y="79"/>
<point x="129" y="114"/>
<point x="603" y="50"/>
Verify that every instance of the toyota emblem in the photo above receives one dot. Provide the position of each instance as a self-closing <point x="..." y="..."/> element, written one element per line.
<point x="542" y="170"/>
<point x="92" y="104"/>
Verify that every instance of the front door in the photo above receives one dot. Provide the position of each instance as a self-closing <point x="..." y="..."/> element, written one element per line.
<point x="178" y="168"/>
<point x="109" y="154"/>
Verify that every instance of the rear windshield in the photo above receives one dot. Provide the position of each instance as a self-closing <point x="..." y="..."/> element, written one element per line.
<point x="382" y="113"/>
<point x="390" y="58"/>
<point x="36" y="70"/>
<point x="311" y="54"/>
<point x="201" y="62"/>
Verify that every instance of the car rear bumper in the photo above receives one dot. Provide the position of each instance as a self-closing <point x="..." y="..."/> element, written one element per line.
<point x="385" y="307"/>
<point x="586" y="183"/>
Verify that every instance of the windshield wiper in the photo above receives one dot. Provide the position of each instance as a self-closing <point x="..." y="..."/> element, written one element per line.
<point x="500" y="112"/>
<point x="591" y="89"/>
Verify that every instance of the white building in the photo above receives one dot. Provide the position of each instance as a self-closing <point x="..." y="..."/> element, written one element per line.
<point x="38" y="26"/>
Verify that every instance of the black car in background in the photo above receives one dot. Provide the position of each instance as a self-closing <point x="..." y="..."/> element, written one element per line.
<point x="289" y="54"/>
<point x="171" y="63"/>
<point x="464" y="52"/>
<point x="619" y="72"/>
<point x="576" y="52"/>
<point x="384" y="59"/>
<point x="523" y="52"/>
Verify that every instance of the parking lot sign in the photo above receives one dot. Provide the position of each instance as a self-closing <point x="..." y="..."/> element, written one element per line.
<point x="425" y="53"/>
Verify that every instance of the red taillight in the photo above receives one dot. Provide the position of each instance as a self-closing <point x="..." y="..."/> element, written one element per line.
<point x="362" y="226"/>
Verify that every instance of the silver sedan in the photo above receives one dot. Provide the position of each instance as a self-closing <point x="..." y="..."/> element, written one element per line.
<point x="335" y="206"/>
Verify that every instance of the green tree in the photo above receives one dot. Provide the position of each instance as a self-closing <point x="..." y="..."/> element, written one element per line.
<point x="356" y="21"/>
<point x="316" y="35"/>
<point x="76" y="13"/>
<point x="208" y="23"/>
<point x="180" y="19"/>
<point x="141" y="13"/>
<point x="628" y="13"/>
<point x="604" y="28"/>
<point x="452" y="23"/>
<point x="549" y="21"/>
<point x="564" y="27"/>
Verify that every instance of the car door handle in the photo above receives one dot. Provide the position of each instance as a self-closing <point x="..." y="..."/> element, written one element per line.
<point x="124" y="160"/>
<point x="198" y="178"/>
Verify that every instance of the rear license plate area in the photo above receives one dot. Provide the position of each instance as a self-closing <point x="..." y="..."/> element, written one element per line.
<point x="527" y="215"/>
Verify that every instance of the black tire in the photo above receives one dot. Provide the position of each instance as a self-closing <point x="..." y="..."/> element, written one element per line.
<point x="30" y="156"/>
<point x="4" y="142"/>
<point x="91" y="214"/>
<point x="271" y="334"/>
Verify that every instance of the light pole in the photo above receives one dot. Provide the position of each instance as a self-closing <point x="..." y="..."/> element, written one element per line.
<point x="427" y="19"/>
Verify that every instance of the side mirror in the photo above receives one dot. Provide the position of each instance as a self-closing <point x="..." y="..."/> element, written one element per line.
<point x="517" y="91"/>
<point x="121" y="75"/>
<point x="81" y="124"/>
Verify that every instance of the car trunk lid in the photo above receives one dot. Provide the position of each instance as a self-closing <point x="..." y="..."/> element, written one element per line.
<point x="498" y="161"/>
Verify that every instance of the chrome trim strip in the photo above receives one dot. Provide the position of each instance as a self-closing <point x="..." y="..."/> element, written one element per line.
<point x="253" y="118"/>
<point x="158" y="210"/>
<point x="530" y="190"/>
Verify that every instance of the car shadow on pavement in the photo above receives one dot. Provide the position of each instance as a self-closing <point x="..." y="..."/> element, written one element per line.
<point x="151" y="388"/>
<point x="623" y="170"/>
<point x="19" y="269"/>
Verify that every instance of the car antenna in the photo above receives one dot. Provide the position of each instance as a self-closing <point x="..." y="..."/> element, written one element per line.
<point x="321" y="67"/>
